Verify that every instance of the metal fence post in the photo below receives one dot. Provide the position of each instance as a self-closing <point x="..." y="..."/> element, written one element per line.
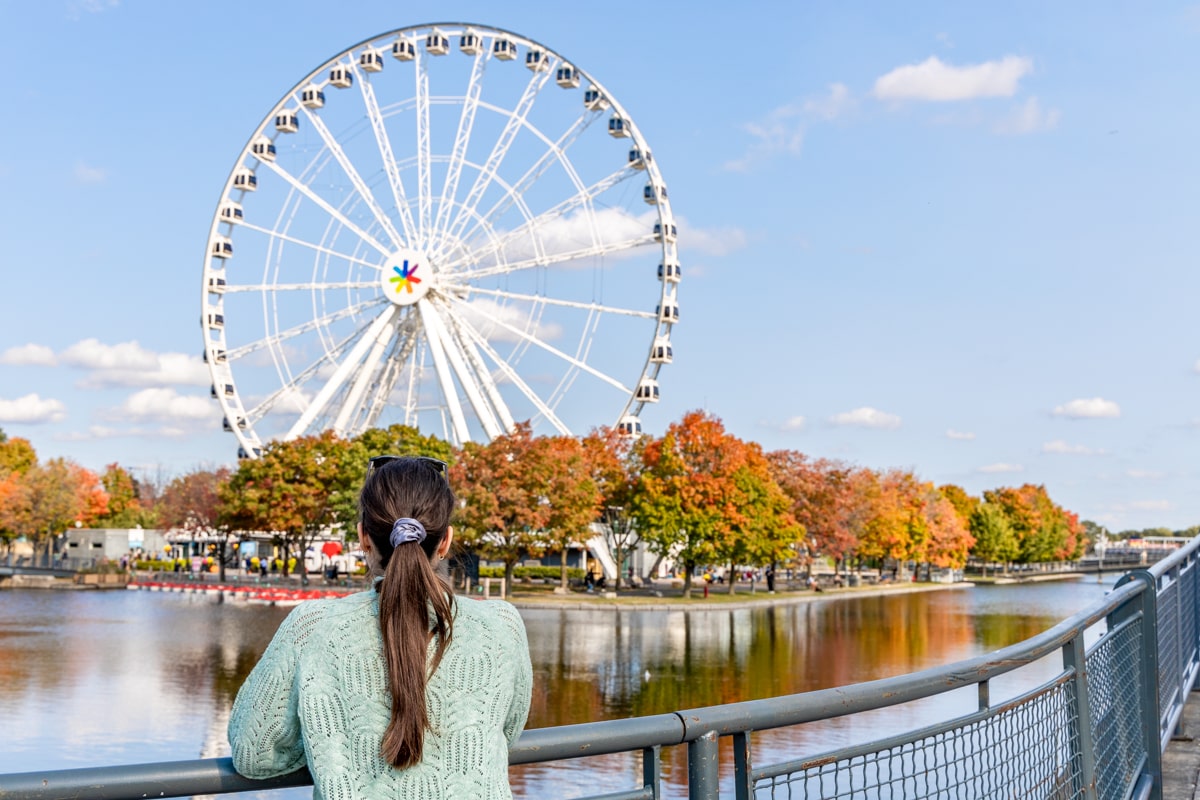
<point x="1148" y="606"/>
<point x="704" y="781"/>
<point x="1075" y="657"/>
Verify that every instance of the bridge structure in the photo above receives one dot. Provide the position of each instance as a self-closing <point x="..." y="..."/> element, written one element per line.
<point x="1094" y="726"/>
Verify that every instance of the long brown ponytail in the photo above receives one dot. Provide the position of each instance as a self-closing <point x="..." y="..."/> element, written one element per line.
<point x="411" y="588"/>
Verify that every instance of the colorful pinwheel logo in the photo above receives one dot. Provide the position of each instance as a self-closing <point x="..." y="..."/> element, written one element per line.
<point x="405" y="277"/>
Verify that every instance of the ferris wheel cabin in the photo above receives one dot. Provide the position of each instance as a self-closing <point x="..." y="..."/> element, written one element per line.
<point x="617" y="128"/>
<point x="470" y="43"/>
<point x="567" y="77"/>
<point x="638" y="159"/>
<point x="227" y="390"/>
<point x="436" y="43"/>
<point x="218" y="357"/>
<point x="403" y="50"/>
<point x="221" y="247"/>
<point x="661" y="352"/>
<point x="243" y="455"/>
<point x="665" y="231"/>
<point x="263" y="149"/>
<point x="244" y="179"/>
<point x="593" y="100"/>
<point x="231" y="211"/>
<point x="537" y="61"/>
<point x="228" y="426"/>
<point x="647" y="391"/>
<point x="653" y="193"/>
<point x="668" y="312"/>
<point x="216" y="284"/>
<point x="312" y="97"/>
<point x="371" y="60"/>
<point x="504" y="49"/>
<point x="341" y="76"/>
<point x="629" y="426"/>
<point x="286" y="121"/>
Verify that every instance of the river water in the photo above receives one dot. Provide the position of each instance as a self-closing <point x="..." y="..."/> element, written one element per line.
<point x="93" y="678"/>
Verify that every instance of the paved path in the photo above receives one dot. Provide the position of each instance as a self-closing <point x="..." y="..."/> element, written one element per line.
<point x="1181" y="762"/>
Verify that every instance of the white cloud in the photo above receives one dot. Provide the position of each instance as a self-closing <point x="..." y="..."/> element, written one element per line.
<point x="86" y="174"/>
<point x="711" y="241"/>
<point x="792" y="424"/>
<point x="1151" y="505"/>
<point x="1029" y="117"/>
<point x="129" y="364"/>
<point x="1060" y="446"/>
<point x="32" y="409"/>
<point x="1001" y="467"/>
<point x="866" y="417"/>
<point x="489" y="318"/>
<point x="780" y="131"/>
<point x="29" y="355"/>
<point x="1145" y="474"/>
<point x="832" y="105"/>
<point x="962" y="436"/>
<point x="163" y="403"/>
<point x="574" y="232"/>
<point x="1088" y="408"/>
<point x="935" y="81"/>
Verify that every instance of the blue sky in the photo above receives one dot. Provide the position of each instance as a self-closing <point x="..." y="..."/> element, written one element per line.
<point x="934" y="236"/>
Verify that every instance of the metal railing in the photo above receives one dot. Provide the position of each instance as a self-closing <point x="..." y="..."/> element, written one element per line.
<point x="1096" y="727"/>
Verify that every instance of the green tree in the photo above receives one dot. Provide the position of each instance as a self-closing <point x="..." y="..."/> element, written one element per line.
<point x="192" y="503"/>
<point x="995" y="540"/>
<point x="125" y="508"/>
<point x="615" y="463"/>
<point x="399" y="440"/>
<point x="296" y="490"/>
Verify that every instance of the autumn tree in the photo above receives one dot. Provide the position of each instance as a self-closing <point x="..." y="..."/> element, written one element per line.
<point x="615" y="463"/>
<point x="825" y="501"/>
<point x="1044" y="531"/>
<point x="950" y="538"/>
<point x="398" y="440"/>
<point x="192" y="503"/>
<point x="16" y="455"/>
<point x="571" y="495"/>
<point x="896" y="527"/>
<point x="54" y="496"/>
<point x="125" y="508"/>
<point x="296" y="489"/>
<point x="503" y="488"/>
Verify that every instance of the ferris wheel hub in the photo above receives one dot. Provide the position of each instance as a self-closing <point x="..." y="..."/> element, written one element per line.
<point x="406" y="276"/>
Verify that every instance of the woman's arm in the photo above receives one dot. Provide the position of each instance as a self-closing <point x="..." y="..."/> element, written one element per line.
<point x="264" y="726"/>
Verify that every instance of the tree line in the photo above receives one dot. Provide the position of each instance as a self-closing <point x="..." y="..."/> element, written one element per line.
<point x="696" y="496"/>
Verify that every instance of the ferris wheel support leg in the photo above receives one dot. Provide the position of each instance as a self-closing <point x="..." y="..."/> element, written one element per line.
<point x="353" y="402"/>
<point x="445" y="379"/>
<point x="466" y="377"/>
<point x="349" y="363"/>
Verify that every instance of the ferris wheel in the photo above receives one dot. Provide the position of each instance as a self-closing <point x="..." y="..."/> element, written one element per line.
<point x="448" y="226"/>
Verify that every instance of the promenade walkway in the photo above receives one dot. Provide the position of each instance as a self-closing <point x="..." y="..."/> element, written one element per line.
<point x="1181" y="761"/>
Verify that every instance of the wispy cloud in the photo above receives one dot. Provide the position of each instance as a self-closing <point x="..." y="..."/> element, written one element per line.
<point x="711" y="241"/>
<point x="962" y="436"/>
<point x="1001" y="467"/>
<point x="935" y="81"/>
<point x="130" y="364"/>
<point x="780" y="131"/>
<point x="29" y="355"/>
<point x="866" y="417"/>
<point x="86" y="174"/>
<point x="1088" y="408"/>
<point x="1028" y="117"/>
<point x="32" y="410"/>
<point x="836" y="103"/>
<point x="164" y="403"/>
<point x="792" y="424"/>
<point x="1064" y="448"/>
<point x="1145" y="474"/>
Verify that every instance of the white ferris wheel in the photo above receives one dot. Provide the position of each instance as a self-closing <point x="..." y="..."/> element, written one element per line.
<point x="449" y="226"/>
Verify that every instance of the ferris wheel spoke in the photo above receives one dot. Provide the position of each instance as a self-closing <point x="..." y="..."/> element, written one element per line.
<point x="524" y="336"/>
<point x="445" y="379"/>
<point x="555" y="258"/>
<point x="459" y="329"/>
<point x="360" y="186"/>
<point x="384" y="143"/>
<point x="436" y="328"/>
<point x="294" y="382"/>
<point x="349" y="363"/>
<point x="310" y="245"/>
<point x="424" y="187"/>
<point x="393" y="366"/>
<point x="462" y="138"/>
<point x="293" y="287"/>
<point x="554" y="150"/>
<point x="298" y="330"/>
<point x="547" y="217"/>
<point x="324" y="205"/>
<point x="514" y="123"/>
<point x="465" y="290"/>
<point x="480" y="342"/>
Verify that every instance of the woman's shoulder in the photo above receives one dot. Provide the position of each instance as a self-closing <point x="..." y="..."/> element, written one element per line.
<point x="490" y="614"/>
<point x="312" y="615"/>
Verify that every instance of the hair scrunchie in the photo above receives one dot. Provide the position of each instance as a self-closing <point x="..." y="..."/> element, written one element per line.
<point x="406" y="529"/>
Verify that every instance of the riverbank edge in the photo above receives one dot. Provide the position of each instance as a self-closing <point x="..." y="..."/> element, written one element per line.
<point x="720" y="603"/>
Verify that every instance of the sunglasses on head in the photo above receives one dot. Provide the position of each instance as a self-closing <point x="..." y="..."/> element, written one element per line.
<point x="437" y="464"/>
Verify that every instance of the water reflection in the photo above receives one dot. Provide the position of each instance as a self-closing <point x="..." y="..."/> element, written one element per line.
<point x="97" y="678"/>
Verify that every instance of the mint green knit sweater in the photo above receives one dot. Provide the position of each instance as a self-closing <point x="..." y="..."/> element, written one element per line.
<point x="319" y="697"/>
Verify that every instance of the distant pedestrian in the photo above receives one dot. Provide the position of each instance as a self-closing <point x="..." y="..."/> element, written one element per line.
<point x="771" y="579"/>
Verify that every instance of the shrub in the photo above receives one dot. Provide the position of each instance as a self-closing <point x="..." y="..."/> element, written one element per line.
<point x="553" y="573"/>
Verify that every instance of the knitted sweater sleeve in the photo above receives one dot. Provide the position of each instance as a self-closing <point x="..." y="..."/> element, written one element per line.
<point x="518" y="713"/>
<point x="264" y="726"/>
